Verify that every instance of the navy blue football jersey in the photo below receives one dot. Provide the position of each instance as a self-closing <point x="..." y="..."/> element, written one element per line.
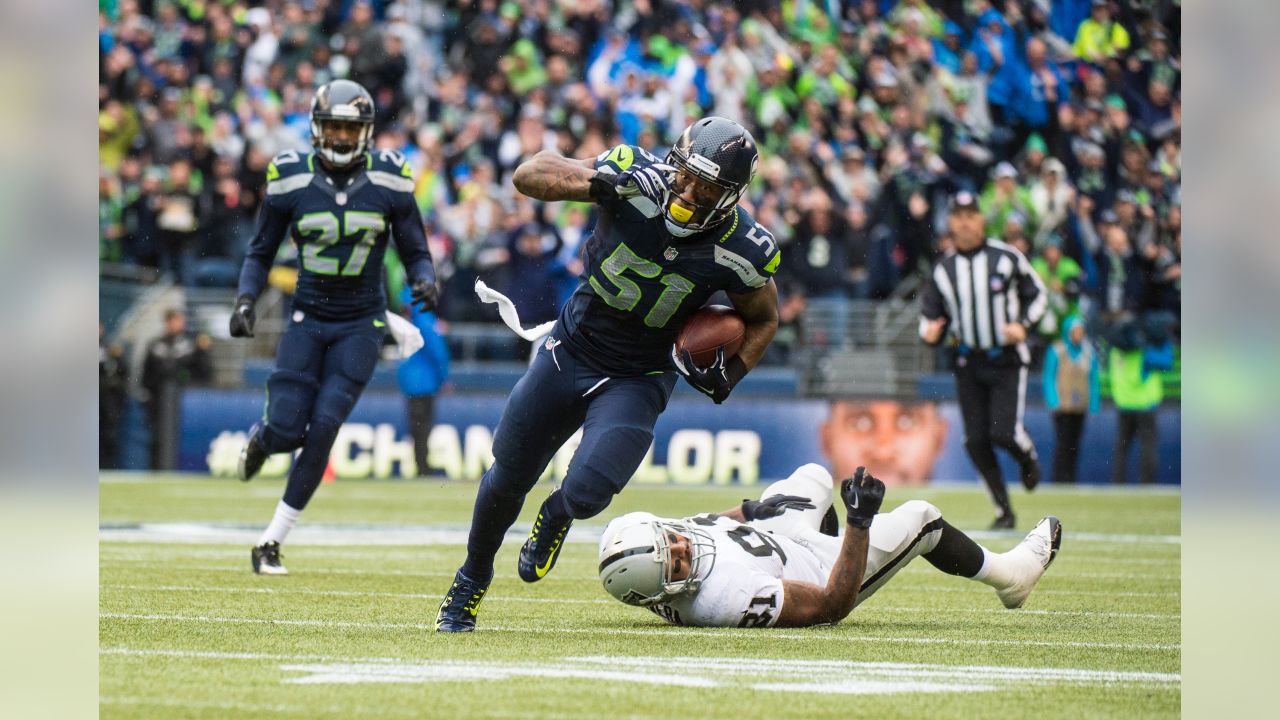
<point x="640" y="283"/>
<point x="340" y="223"/>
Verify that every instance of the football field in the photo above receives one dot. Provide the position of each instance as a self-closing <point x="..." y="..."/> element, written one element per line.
<point x="186" y="629"/>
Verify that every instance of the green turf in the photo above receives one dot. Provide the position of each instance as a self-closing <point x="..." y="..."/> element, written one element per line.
<point x="188" y="631"/>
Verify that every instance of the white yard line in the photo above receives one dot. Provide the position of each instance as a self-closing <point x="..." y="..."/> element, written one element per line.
<point x="604" y="601"/>
<point x="674" y="632"/>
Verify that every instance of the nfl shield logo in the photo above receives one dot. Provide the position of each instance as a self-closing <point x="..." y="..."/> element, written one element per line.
<point x="670" y="254"/>
<point x="997" y="283"/>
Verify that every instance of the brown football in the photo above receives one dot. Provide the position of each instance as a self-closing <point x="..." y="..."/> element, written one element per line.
<point x="707" y="330"/>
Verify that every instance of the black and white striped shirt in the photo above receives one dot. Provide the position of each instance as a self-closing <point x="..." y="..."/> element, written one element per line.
<point x="980" y="291"/>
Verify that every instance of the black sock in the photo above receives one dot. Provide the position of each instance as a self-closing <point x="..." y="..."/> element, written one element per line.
<point x="494" y="514"/>
<point x="556" y="508"/>
<point x="956" y="553"/>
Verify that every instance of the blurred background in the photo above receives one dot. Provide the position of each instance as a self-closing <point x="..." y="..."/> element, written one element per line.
<point x="1063" y="115"/>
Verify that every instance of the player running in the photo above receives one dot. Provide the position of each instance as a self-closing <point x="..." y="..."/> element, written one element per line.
<point x="669" y="235"/>
<point x="769" y="563"/>
<point x="338" y="205"/>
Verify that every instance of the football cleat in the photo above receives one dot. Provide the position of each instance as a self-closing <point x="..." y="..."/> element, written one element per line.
<point x="460" y="606"/>
<point x="1031" y="475"/>
<point x="540" y="552"/>
<point x="253" y="455"/>
<point x="1004" y="522"/>
<point x="1036" y="551"/>
<point x="266" y="559"/>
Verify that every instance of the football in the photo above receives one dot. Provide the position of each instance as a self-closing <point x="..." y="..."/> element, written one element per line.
<point x="707" y="330"/>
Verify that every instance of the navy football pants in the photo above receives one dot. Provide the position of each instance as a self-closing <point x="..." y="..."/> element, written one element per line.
<point x="555" y="397"/>
<point x="321" y="369"/>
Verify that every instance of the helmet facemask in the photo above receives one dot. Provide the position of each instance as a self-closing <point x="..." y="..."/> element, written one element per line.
<point x="717" y="198"/>
<point x="341" y="152"/>
<point x="637" y="567"/>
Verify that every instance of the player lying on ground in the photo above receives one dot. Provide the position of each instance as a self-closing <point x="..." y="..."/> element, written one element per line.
<point x="769" y="563"/>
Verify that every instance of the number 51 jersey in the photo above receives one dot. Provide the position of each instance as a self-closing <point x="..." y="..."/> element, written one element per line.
<point x="640" y="283"/>
<point x="743" y="587"/>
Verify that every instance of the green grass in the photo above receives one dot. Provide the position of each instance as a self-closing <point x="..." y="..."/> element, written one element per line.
<point x="188" y="631"/>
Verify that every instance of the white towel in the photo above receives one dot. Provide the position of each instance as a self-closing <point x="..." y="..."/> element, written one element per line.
<point x="406" y="334"/>
<point x="507" y="311"/>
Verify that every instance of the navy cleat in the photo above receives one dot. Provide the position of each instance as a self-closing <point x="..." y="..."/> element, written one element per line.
<point x="253" y="455"/>
<point x="460" y="606"/>
<point x="266" y="559"/>
<point x="1005" y="522"/>
<point x="540" y="552"/>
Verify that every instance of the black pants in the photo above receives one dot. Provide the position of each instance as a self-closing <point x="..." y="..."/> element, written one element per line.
<point x="992" y="395"/>
<point x="1068" y="428"/>
<point x="422" y="411"/>
<point x="1141" y="423"/>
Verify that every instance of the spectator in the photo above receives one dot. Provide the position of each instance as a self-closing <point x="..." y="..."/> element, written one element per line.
<point x="421" y="376"/>
<point x="173" y="362"/>
<point x="1100" y="38"/>
<point x="1139" y="355"/>
<point x="1051" y="197"/>
<point x="113" y="382"/>
<point x="1004" y="196"/>
<point x="1061" y="276"/>
<point x="1070" y="392"/>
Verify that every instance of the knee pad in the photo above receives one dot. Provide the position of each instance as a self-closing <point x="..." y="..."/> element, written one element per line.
<point x="290" y="397"/>
<point x="810" y="480"/>
<point x="920" y="511"/>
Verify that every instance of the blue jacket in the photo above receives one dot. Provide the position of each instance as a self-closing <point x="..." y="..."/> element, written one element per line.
<point x="426" y="370"/>
<point x="1027" y="97"/>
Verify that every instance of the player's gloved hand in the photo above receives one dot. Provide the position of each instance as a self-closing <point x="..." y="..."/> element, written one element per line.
<point x="424" y="294"/>
<point x="774" y="506"/>
<point x="715" y="381"/>
<point x="862" y="495"/>
<point x="242" y="317"/>
<point x="652" y="181"/>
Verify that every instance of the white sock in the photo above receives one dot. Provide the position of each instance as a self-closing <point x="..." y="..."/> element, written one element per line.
<point x="281" y="524"/>
<point x="998" y="569"/>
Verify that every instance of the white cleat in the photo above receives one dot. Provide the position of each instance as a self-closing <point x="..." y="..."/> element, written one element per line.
<point x="1036" y="551"/>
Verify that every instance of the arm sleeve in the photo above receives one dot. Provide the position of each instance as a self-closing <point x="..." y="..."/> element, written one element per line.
<point x="1051" y="379"/>
<point x="273" y="227"/>
<point x="411" y="239"/>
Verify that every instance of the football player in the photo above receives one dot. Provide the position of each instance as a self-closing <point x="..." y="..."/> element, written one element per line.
<point x="339" y="205"/>
<point x="669" y="235"/>
<point x="768" y="563"/>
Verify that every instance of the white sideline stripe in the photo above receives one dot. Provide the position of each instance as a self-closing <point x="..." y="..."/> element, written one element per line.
<point x="445" y="534"/>
<point x="784" y="675"/>
<point x="603" y="601"/>
<point x="674" y="632"/>
<point x="207" y="705"/>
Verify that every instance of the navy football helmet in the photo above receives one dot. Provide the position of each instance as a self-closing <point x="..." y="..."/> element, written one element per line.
<point x="719" y="157"/>
<point x="342" y="101"/>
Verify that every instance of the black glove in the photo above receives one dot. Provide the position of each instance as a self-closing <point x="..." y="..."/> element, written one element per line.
<point x="862" y="495"/>
<point x="651" y="181"/>
<point x="242" y="317"/>
<point x="774" y="506"/>
<point x="424" y="294"/>
<point x="716" y="381"/>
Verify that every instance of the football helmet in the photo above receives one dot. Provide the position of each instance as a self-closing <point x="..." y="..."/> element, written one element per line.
<point x="721" y="157"/>
<point x="341" y="101"/>
<point x="635" y="559"/>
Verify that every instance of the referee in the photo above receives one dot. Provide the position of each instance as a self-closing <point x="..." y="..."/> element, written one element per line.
<point x="985" y="297"/>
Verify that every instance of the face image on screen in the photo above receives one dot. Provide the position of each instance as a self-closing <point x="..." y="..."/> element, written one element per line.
<point x="897" y="442"/>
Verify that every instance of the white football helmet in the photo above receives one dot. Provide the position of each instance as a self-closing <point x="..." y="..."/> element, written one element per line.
<point x="635" y="559"/>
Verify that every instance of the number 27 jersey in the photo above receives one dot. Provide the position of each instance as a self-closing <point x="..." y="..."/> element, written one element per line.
<point x="640" y="283"/>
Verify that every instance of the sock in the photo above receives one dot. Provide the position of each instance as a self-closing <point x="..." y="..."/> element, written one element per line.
<point x="494" y="513"/>
<point x="956" y="553"/>
<point x="556" y="507"/>
<point x="998" y="570"/>
<point x="281" y="524"/>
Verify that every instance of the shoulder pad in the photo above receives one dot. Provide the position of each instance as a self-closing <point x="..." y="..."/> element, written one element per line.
<point x="390" y="169"/>
<point x="749" y="250"/>
<point x="622" y="157"/>
<point x="289" y="171"/>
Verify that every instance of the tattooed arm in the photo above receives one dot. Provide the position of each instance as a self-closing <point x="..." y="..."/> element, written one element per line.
<point x="550" y="176"/>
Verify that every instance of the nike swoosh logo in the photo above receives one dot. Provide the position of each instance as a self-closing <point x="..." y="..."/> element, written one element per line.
<point x="543" y="569"/>
<point x="855" y="501"/>
<point x="379" y="323"/>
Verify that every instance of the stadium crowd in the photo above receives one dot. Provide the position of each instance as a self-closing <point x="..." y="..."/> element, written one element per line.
<point x="1063" y="114"/>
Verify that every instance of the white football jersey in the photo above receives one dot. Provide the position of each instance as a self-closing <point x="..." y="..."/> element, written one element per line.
<point x="743" y="587"/>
